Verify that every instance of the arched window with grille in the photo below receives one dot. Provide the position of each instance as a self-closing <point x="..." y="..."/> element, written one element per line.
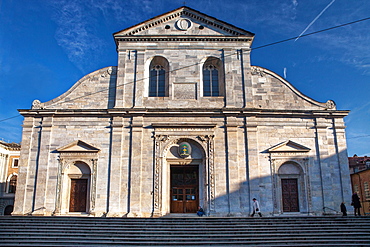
<point x="12" y="184"/>
<point x="158" y="77"/>
<point x="212" y="77"/>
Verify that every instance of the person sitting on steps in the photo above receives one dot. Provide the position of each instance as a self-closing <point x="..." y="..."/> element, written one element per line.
<point x="200" y="211"/>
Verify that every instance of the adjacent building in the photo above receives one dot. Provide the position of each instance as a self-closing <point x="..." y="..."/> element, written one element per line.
<point x="183" y="120"/>
<point x="360" y="179"/>
<point x="9" y="160"/>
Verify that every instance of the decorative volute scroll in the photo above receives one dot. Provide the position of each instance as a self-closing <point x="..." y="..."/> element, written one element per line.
<point x="330" y="104"/>
<point x="36" y="104"/>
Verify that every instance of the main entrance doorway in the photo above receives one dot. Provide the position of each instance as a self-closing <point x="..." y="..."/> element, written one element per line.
<point x="78" y="195"/>
<point x="290" y="195"/>
<point x="184" y="189"/>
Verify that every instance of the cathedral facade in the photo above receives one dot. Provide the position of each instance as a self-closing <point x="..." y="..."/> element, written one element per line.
<point x="184" y="120"/>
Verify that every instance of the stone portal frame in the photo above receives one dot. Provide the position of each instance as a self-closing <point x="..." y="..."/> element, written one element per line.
<point x="302" y="176"/>
<point x="66" y="161"/>
<point x="163" y="143"/>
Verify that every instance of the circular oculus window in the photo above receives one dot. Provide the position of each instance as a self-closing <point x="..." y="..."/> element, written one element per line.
<point x="183" y="24"/>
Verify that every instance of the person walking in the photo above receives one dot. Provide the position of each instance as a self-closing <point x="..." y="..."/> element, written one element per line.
<point x="256" y="208"/>
<point x="356" y="203"/>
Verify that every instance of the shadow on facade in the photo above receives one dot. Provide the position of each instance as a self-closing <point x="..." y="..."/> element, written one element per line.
<point x="297" y="185"/>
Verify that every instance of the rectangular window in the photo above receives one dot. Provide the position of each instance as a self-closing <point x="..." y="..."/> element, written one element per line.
<point x="215" y="83"/>
<point x="206" y="83"/>
<point x="161" y="84"/>
<point x="210" y="82"/>
<point x="157" y="83"/>
<point x="367" y="190"/>
<point x="356" y="189"/>
<point x="153" y="83"/>
<point x="15" y="163"/>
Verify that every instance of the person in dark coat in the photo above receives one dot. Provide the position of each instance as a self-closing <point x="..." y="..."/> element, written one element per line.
<point x="343" y="209"/>
<point x="356" y="203"/>
<point x="200" y="211"/>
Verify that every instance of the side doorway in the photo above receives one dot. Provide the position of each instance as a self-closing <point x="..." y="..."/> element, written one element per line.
<point x="184" y="188"/>
<point x="290" y="196"/>
<point x="78" y="196"/>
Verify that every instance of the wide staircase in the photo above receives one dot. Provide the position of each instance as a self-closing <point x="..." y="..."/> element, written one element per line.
<point x="185" y="231"/>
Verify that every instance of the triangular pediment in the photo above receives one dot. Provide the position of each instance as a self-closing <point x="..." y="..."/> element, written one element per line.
<point x="78" y="146"/>
<point x="288" y="146"/>
<point x="183" y="21"/>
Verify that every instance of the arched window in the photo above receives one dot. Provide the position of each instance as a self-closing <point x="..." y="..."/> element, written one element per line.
<point x="212" y="77"/>
<point x="12" y="184"/>
<point x="158" y="77"/>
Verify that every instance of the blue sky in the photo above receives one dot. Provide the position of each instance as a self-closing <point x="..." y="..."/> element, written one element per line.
<point x="47" y="45"/>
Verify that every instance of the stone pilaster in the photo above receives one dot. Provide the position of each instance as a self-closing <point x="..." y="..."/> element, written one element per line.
<point x="233" y="166"/>
<point x="158" y="175"/>
<point x="322" y="180"/>
<point x="46" y="172"/>
<point x="228" y="57"/>
<point x="139" y="78"/>
<point x="33" y="162"/>
<point x="120" y="88"/>
<point x="252" y="163"/>
<point x="24" y="190"/>
<point x="124" y="170"/>
<point x="136" y="166"/>
<point x="59" y="187"/>
<point x="245" y="67"/>
<point x="115" y="207"/>
<point x="343" y="158"/>
<point x="130" y="78"/>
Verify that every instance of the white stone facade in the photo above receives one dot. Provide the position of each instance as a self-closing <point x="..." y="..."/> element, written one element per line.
<point x="247" y="141"/>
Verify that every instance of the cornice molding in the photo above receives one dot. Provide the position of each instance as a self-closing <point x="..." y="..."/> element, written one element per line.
<point x="239" y="112"/>
<point x="183" y="12"/>
<point x="185" y="38"/>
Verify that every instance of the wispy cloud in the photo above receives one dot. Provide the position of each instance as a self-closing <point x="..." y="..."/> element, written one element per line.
<point x="74" y="32"/>
<point x="78" y="24"/>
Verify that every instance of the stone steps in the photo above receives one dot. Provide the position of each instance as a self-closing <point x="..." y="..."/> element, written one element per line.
<point x="189" y="231"/>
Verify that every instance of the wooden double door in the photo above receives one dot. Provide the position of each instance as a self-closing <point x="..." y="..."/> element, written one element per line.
<point x="290" y="195"/>
<point x="78" y="195"/>
<point x="184" y="189"/>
